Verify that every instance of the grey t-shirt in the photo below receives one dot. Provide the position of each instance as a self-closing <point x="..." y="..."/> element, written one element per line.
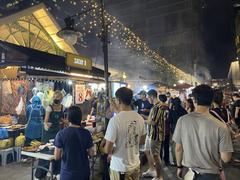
<point x="202" y="138"/>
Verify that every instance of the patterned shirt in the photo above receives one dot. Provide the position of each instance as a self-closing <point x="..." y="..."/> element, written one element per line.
<point x="158" y="116"/>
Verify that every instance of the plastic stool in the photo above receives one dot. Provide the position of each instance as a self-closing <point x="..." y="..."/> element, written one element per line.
<point x="18" y="156"/>
<point x="4" y="154"/>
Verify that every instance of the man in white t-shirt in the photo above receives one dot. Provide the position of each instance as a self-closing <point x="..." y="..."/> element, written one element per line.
<point x="125" y="132"/>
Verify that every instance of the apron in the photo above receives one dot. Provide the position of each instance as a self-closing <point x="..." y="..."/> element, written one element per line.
<point x="35" y="123"/>
<point x="54" y="118"/>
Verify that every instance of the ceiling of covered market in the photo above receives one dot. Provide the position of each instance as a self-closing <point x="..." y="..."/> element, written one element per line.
<point x="165" y="26"/>
<point x="34" y="28"/>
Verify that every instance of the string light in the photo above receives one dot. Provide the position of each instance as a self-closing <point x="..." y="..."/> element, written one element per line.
<point x="117" y="30"/>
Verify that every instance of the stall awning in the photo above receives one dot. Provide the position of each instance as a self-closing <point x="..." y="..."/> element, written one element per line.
<point x="41" y="61"/>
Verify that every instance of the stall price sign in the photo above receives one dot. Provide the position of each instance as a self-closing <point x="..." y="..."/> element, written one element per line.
<point x="80" y="93"/>
<point x="77" y="61"/>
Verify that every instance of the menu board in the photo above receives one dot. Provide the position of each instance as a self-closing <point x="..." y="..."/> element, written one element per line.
<point x="80" y="93"/>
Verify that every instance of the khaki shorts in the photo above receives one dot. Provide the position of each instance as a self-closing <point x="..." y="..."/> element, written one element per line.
<point x="156" y="147"/>
<point x="131" y="175"/>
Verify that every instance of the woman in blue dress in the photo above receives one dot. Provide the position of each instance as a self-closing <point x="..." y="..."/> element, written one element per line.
<point x="35" y="115"/>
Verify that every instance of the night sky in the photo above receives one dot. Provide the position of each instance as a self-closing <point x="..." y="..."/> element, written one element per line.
<point x="218" y="32"/>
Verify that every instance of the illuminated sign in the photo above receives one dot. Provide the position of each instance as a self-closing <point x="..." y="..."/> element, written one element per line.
<point x="77" y="61"/>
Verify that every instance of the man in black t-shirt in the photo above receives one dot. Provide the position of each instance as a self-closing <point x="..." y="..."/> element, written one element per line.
<point x="143" y="105"/>
<point x="236" y="108"/>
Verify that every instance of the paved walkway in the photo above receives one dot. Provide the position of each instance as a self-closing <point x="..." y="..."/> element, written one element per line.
<point x="22" y="172"/>
<point x="16" y="171"/>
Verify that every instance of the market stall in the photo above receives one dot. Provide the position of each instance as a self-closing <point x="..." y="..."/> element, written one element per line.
<point x="26" y="73"/>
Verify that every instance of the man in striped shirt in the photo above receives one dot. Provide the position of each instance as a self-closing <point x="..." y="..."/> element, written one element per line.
<point x="156" y="122"/>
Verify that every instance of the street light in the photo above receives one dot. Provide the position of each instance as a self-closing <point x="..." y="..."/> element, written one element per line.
<point x="145" y="87"/>
<point x="70" y="35"/>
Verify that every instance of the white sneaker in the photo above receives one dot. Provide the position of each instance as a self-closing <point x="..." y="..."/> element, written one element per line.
<point x="157" y="178"/>
<point x="149" y="173"/>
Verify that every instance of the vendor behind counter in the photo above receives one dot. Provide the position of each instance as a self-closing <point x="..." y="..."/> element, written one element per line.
<point x="35" y="114"/>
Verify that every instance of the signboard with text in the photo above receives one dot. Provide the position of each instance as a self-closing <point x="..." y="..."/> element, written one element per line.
<point x="80" y="92"/>
<point x="77" y="61"/>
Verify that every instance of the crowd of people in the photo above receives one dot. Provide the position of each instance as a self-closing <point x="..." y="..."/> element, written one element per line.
<point x="199" y="131"/>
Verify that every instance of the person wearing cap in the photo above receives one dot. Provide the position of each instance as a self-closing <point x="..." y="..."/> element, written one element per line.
<point x="143" y="104"/>
<point x="54" y="115"/>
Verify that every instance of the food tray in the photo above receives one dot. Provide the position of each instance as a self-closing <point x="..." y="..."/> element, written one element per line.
<point x="5" y="125"/>
<point x="30" y="149"/>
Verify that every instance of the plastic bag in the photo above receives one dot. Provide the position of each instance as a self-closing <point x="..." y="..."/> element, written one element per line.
<point x="3" y="133"/>
<point x="190" y="175"/>
<point x="67" y="101"/>
<point x="19" y="108"/>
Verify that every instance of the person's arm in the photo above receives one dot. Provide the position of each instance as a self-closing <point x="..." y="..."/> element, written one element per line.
<point x="179" y="154"/>
<point x="226" y="156"/>
<point x="103" y="142"/>
<point x="58" y="143"/>
<point x="179" y="158"/>
<point x="108" y="149"/>
<point x="48" y="111"/>
<point x="46" y="127"/>
<point x="143" y="132"/>
<point x="179" y="147"/>
<point x="236" y="112"/>
<point x="225" y="144"/>
<point x="142" y="139"/>
<point x="57" y="153"/>
<point x="110" y="136"/>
